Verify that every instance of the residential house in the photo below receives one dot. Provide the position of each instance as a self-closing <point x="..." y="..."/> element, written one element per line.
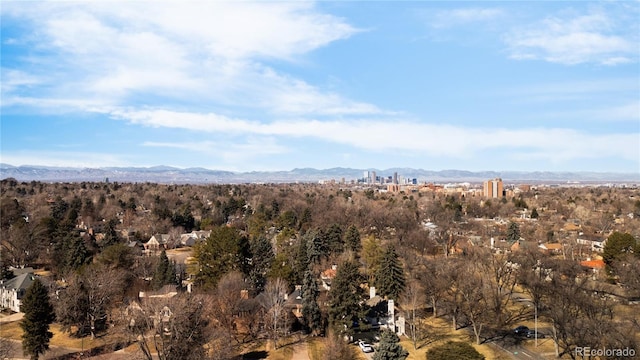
<point x="12" y="291"/>
<point x="191" y="238"/>
<point x="327" y="276"/>
<point x="294" y="302"/>
<point x="551" y="248"/>
<point x="382" y="313"/>
<point x="595" y="265"/>
<point x="596" y="244"/>
<point x="156" y="243"/>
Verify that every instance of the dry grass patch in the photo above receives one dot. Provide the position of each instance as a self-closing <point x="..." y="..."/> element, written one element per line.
<point x="315" y="346"/>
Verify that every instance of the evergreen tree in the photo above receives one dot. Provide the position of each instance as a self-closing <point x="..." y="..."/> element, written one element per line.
<point x="317" y="248"/>
<point x="534" y="213"/>
<point x="513" y="232"/>
<point x="5" y="273"/>
<point x="389" y="278"/>
<point x="345" y="297"/>
<point x="333" y="239"/>
<point x="352" y="239"/>
<point x="38" y="315"/>
<point x="76" y="253"/>
<point x="617" y="245"/>
<point x="261" y="261"/>
<point x="390" y="348"/>
<point x="225" y="250"/>
<point x="454" y="350"/>
<point x="311" y="314"/>
<point x="301" y="260"/>
<point x="111" y="236"/>
<point x="165" y="273"/>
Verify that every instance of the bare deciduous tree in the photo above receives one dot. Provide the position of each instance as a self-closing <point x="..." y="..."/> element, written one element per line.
<point x="273" y="301"/>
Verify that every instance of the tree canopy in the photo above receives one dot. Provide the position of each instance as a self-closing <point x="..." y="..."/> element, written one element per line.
<point x="390" y="348"/>
<point x="38" y="315"/>
<point x="390" y="280"/>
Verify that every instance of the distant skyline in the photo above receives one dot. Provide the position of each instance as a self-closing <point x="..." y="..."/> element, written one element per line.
<point x="242" y="86"/>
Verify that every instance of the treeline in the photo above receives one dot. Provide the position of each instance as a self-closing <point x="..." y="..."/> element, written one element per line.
<point x="269" y="240"/>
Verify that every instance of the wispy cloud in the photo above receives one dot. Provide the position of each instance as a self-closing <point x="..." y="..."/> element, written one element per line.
<point x="405" y="135"/>
<point x="460" y="16"/>
<point x="574" y="39"/>
<point x="178" y="54"/>
<point x="65" y="158"/>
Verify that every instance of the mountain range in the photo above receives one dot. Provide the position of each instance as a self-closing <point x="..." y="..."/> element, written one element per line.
<point x="168" y="174"/>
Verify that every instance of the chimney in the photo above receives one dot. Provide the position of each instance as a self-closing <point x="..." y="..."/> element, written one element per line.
<point x="372" y="292"/>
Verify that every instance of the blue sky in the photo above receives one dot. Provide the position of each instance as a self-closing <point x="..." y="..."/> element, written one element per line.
<point x="241" y="86"/>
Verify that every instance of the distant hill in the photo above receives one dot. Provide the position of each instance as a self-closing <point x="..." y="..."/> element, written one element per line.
<point x="167" y="174"/>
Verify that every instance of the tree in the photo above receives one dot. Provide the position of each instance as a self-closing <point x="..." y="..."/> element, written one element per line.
<point x="454" y="350"/>
<point x="225" y="250"/>
<point x="371" y="256"/>
<point x="390" y="348"/>
<point x="165" y="273"/>
<point x="389" y="277"/>
<point x="352" y="239"/>
<point x="345" y="297"/>
<point x="335" y="348"/>
<point x="413" y="299"/>
<point x="534" y="213"/>
<point x="84" y="303"/>
<point x="513" y="232"/>
<point x="334" y="239"/>
<point x="317" y="247"/>
<point x="617" y="245"/>
<point x="38" y="315"/>
<point x="273" y="301"/>
<point x="261" y="262"/>
<point x="311" y="314"/>
<point x="179" y="328"/>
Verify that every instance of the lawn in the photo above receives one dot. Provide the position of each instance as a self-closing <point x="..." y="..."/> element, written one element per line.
<point x="439" y="333"/>
<point x="13" y="331"/>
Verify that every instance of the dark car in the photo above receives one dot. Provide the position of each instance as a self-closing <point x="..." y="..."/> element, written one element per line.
<point x="531" y="334"/>
<point x="521" y="330"/>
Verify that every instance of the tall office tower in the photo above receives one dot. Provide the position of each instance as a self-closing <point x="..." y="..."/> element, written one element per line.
<point x="395" y="178"/>
<point x="367" y="177"/>
<point x="493" y="188"/>
<point x="373" y="177"/>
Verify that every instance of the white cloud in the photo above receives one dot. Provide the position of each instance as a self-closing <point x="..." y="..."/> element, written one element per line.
<point x="449" y="18"/>
<point x="81" y="159"/>
<point x="202" y="53"/>
<point x="403" y="135"/>
<point x="590" y="38"/>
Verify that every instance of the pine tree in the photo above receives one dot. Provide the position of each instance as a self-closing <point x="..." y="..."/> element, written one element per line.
<point x="165" y="272"/>
<point x="334" y="239"/>
<point x="389" y="278"/>
<point x="38" y="315"/>
<point x="317" y="248"/>
<point x="534" y="213"/>
<point x="311" y="314"/>
<point x="345" y="297"/>
<point x="352" y="239"/>
<point x="390" y="348"/>
<point x="5" y="273"/>
<point x="261" y="261"/>
<point x="75" y="253"/>
<point x="513" y="232"/>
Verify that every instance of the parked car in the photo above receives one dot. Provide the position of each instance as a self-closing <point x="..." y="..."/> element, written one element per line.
<point x="365" y="347"/>
<point x="531" y="334"/>
<point x="521" y="330"/>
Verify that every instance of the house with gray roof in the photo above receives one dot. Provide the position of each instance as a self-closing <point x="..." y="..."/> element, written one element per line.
<point x="12" y="291"/>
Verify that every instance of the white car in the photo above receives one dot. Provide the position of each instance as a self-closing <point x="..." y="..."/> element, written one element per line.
<point x="365" y="347"/>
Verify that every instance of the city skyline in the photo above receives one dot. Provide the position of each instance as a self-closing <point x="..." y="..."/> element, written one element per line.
<point x="545" y="86"/>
